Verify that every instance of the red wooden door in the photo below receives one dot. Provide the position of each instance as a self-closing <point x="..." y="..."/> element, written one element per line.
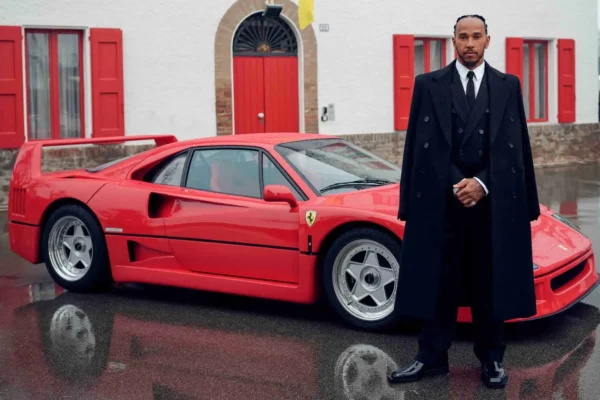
<point x="281" y="94"/>
<point x="265" y="94"/>
<point x="249" y="94"/>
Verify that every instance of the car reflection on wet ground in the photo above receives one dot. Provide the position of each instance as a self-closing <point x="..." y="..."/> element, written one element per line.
<point x="148" y="342"/>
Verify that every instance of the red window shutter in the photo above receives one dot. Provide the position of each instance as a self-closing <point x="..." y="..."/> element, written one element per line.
<point x="108" y="114"/>
<point x="566" y="80"/>
<point x="514" y="57"/>
<point x="12" y="119"/>
<point x="404" y="77"/>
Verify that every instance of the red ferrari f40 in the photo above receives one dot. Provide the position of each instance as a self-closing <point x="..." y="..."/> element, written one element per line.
<point x="279" y="216"/>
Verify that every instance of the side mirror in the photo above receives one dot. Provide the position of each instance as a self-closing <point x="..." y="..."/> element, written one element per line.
<point x="273" y="193"/>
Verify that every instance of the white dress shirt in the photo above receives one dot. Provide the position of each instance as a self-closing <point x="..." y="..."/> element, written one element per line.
<point x="462" y="72"/>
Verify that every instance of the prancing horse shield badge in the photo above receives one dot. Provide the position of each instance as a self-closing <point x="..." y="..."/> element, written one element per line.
<point x="311" y="217"/>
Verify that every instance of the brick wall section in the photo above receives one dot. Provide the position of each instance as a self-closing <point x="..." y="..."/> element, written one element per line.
<point x="7" y="161"/>
<point x="389" y="146"/>
<point x="73" y="158"/>
<point x="551" y="145"/>
<point x="565" y="144"/>
<point x="223" y="79"/>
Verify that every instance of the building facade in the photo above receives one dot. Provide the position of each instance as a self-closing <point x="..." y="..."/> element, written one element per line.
<point x="198" y="69"/>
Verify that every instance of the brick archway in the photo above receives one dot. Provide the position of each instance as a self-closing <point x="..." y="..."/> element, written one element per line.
<point x="223" y="79"/>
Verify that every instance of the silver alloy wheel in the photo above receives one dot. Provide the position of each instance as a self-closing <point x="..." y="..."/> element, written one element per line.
<point x="70" y="248"/>
<point x="365" y="279"/>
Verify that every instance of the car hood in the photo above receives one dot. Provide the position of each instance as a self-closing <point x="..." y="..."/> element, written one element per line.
<point x="381" y="199"/>
<point x="554" y="243"/>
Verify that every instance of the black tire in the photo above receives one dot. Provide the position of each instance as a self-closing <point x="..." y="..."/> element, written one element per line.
<point x="380" y="238"/>
<point x="98" y="275"/>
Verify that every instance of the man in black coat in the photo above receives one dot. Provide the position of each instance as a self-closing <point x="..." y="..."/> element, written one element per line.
<point x="468" y="196"/>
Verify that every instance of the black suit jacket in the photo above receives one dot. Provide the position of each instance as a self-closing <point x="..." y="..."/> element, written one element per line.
<point x="430" y="121"/>
<point x="426" y="179"/>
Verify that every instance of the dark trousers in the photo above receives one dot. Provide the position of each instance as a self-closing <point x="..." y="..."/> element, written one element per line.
<point x="466" y="275"/>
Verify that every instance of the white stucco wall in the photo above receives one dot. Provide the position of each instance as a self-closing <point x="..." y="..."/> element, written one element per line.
<point x="169" y="53"/>
<point x="168" y="56"/>
<point x="359" y="79"/>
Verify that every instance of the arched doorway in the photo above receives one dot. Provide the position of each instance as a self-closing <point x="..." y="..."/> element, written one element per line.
<point x="265" y="76"/>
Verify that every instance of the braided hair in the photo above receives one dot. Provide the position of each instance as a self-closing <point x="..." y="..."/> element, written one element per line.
<point x="472" y="16"/>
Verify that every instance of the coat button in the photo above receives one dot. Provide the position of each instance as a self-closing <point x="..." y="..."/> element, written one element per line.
<point x="419" y="194"/>
<point x="511" y="145"/>
<point x="481" y="131"/>
<point x="512" y="119"/>
<point x="422" y="170"/>
<point x="460" y="130"/>
<point x="461" y="152"/>
<point x="426" y="145"/>
<point x="426" y="118"/>
<point x="487" y="110"/>
<point x="480" y="152"/>
<point x="514" y="195"/>
<point x="513" y="170"/>
<point x="454" y="111"/>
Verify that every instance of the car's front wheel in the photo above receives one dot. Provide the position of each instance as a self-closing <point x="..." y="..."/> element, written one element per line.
<point x="74" y="249"/>
<point x="361" y="271"/>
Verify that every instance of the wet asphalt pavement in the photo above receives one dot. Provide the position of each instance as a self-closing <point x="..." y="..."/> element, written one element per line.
<point x="145" y="342"/>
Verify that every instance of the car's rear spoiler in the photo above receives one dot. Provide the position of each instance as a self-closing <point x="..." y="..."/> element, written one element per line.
<point x="29" y="161"/>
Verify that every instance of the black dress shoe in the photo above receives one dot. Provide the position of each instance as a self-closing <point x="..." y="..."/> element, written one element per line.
<point x="493" y="375"/>
<point x="417" y="371"/>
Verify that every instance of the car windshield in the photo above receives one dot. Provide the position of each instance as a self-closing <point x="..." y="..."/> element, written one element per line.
<point x="336" y="165"/>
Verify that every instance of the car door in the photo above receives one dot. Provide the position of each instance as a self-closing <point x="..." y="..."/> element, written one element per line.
<point x="221" y="225"/>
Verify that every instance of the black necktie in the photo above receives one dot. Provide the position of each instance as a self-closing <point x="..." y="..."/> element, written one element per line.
<point x="470" y="89"/>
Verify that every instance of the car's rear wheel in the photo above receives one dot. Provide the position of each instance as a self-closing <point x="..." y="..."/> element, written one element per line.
<point x="74" y="249"/>
<point x="361" y="271"/>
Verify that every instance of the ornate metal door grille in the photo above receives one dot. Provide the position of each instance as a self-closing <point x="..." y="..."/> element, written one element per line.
<point x="264" y="36"/>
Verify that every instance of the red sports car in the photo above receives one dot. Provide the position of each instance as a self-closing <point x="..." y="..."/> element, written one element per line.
<point x="278" y="216"/>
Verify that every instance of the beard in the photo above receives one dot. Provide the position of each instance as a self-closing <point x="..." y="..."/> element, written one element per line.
<point x="470" y="62"/>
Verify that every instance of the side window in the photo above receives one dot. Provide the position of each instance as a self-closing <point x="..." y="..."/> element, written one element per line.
<point x="272" y="176"/>
<point x="170" y="173"/>
<point x="228" y="171"/>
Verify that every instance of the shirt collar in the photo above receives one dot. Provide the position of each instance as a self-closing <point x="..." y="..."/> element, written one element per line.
<point x="462" y="71"/>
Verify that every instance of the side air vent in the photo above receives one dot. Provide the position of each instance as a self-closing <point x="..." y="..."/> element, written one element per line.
<point x="17" y="201"/>
<point x="139" y="252"/>
<point x="159" y="206"/>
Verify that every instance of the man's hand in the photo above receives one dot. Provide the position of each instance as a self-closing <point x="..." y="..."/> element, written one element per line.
<point x="469" y="191"/>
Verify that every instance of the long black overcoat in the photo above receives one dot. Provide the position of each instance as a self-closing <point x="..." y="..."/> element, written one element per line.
<point x="425" y="181"/>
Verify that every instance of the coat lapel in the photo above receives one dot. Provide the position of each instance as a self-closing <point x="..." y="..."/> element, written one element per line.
<point x="442" y="100"/>
<point x="478" y="110"/>
<point x="499" y="91"/>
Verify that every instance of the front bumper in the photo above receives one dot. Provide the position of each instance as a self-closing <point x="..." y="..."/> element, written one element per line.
<point x="558" y="290"/>
<point x="564" y="287"/>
